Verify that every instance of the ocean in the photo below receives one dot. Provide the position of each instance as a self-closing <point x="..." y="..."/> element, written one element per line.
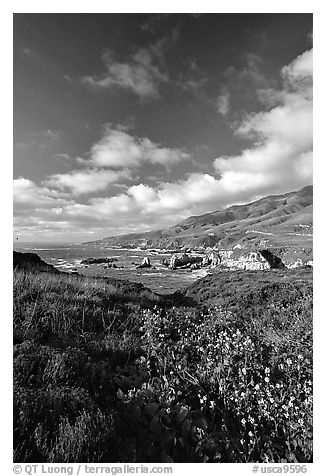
<point x="68" y="257"/>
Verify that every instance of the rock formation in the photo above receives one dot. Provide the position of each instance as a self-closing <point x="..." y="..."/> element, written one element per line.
<point x="98" y="260"/>
<point x="274" y="261"/>
<point x="145" y="263"/>
<point x="250" y="260"/>
<point x="183" y="260"/>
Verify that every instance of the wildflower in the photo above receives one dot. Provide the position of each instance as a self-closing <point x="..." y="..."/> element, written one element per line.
<point x="243" y="421"/>
<point x="266" y="379"/>
<point x="267" y="370"/>
<point x="244" y="371"/>
<point x="257" y="386"/>
<point x="289" y="361"/>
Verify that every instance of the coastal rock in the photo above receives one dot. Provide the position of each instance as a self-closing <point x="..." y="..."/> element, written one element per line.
<point x="145" y="263"/>
<point x="274" y="261"/>
<point x="183" y="260"/>
<point x="98" y="260"/>
<point x="213" y="259"/>
<point x="248" y="260"/>
<point x="195" y="266"/>
<point x="111" y="265"/>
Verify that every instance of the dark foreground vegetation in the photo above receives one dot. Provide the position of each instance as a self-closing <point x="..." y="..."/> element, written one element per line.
<point x="107" y="371"/>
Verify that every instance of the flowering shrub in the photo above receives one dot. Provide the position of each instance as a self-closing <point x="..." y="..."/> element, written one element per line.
<point x="255" y="397"/>
<point x="148" y="381"/>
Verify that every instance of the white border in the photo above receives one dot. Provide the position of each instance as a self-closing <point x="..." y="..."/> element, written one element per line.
<point x="139" y="6"/>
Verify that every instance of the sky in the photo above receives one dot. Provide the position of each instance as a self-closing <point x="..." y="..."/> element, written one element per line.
<point x="133" y="122"/>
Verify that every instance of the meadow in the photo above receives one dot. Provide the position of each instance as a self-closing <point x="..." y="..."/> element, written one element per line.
<point x="109" y="371"/>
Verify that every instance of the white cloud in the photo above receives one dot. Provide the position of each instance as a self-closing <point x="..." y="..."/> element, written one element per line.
<point x="29" y="196"/>
<point x="281" y="157"/>
<point x="298" y="74"/>
<point x="119" y="149"/>
<point x="86" y="181"/>
<point x="141" y="74"/>
<point x="279" y="160"/>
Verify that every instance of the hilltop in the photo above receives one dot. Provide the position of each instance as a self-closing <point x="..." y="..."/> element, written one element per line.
<point x="274" y="221"/>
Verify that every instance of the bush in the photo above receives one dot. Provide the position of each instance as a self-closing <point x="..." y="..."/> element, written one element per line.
<point x="103" y="377"/>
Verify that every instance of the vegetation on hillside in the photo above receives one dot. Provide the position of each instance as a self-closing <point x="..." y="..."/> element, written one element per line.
<point x="276" y="220"/>
<point x="107" y="371"/>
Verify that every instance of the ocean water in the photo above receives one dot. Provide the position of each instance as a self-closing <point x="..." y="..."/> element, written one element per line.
<point x="68" y="257"/>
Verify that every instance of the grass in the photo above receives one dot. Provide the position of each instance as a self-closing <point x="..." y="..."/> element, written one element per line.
<point x="107" y="371"/>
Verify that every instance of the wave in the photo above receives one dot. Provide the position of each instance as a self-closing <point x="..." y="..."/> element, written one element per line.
<point x="46" y="249"/>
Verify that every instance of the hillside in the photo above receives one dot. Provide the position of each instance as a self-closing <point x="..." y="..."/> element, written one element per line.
<point x="32" y="262"/>
<point x="273" y="221"/>
<point x="107" y="371"/>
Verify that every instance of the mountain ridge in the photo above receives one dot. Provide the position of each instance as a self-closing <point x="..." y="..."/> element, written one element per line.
<point x="283" y="220"/>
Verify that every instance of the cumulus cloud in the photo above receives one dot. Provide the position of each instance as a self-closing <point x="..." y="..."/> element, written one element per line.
<point x="29" y="196"/>
<point x="279" y="160"/>
<point x="86" y="181"/>
<point x="141" y="74"/>
<point x="117" y="148"/>
<point x="281" y="157"/>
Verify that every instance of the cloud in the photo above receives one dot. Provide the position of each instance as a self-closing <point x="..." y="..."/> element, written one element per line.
<point x="64" y="159"/>
<point x="244" y="86"/>
<point x="29" y="196"/>
<point x="80" y="182"/>
<point x="223" y="102"/>
<point x="193" y="80"/>
<point x="279" y="160"/>
<point x="251" y="71"/>
<point x="281" y="157"/>
<point x="298" y="74"/>
<point x="50" y="135"/>
<point x="119" y="149"/>
<point x="40" y="139"/>
<point x="141" y="74"/>
<point x="154" y="21"/>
